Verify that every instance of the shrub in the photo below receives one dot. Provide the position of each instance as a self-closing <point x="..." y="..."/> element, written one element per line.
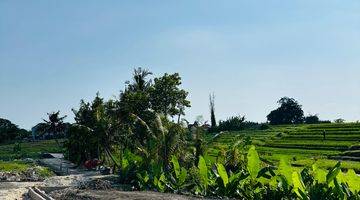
<point x="252" y="180"/>
<point x="264" y="127"/>
<point x="235" y="123"/>
<point x="339" y="121"/>
<point x="311" y="119"/>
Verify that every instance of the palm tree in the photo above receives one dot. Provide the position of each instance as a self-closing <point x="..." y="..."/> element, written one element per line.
<point x="163" y="141"/>
<point x="55" y="124"/>
<point x="139" y="80"/>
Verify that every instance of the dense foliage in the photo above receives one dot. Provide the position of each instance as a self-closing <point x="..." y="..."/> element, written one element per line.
<point x="138" y="121"/>
<point x="10" y="131"/>
<point x="237" y="123"/>
<point x="234" y="123"/>
<point x="311" y="119"/>
<point x="250" y="179"/>
<point x="141" y="134"/>
<point x="289" y="112"/>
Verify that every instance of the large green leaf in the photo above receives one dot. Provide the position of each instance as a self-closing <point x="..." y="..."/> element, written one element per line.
<point x="203" y="172"/>
<point x="319" y="174"/>
<point x="352" y="179"/>
<point x="160" y="182"/>
<point x="254" y="162"/>
<point x="333" y="173"/>
<point x="299" y="186"/>
<point x="182" y="177"/>
<point x="222" y="173"/>
<point x="285" y="169"/>
<point x="176" y="166"/>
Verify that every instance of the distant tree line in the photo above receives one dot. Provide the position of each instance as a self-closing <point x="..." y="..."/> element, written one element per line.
<point x="288" y="112"/>
<point x="10" y="131"/>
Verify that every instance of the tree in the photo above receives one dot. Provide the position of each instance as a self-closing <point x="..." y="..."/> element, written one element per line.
<point x="94" y="127"/>
<point x="212" y="110"/>
<point x="8" y="130"/>
<point x="311" y="119"/>
<point x="135" y="99"/>
<point x="289" y="112"/>
<point x="137" y="121"/>
<point x="234" y="123"/>
<point x="167" y="98"/>
<point x="140" y="82"/>
<point x="339" y="121"/>
<point x="55" y="125"/>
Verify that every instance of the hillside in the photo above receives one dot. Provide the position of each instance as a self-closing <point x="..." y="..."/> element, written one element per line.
<point x="303" y="144"/>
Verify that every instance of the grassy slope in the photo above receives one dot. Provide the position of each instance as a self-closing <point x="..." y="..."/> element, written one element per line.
<point x="302" y="144"/>
<point x="19" y="166"/>
<point x="28" y="150"/>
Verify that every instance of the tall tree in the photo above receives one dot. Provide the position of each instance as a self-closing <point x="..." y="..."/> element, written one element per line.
<point x="167" y="98"/>
<point x="8" y="130"/>
<point x="55" y="125"/>
<point x="93" y="125"/>
<point x="140" y="80"/>
<point x="289" y="112"/>
<point x="137" y="121"/>
<point x="212" y="110"/>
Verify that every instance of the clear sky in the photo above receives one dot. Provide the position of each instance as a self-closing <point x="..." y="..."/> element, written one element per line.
<point x="249" y="53"/>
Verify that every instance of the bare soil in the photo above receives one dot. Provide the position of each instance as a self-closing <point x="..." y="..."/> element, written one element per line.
<point x="75" y="194"/>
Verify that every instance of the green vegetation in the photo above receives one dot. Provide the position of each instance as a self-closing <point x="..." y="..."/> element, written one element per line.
<point x="22" y="167"/>
<point x="303" y="144"/>
<point x="143" y="136"/>
<point x="13" y="157"/>
<point x="28" y="149"/>
<point x="10" y="131"/>
<point x="14" y="166"/>
<point x="251" y="179"/>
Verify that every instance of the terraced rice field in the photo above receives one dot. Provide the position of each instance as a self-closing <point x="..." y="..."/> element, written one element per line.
<point x="302" y="144"/>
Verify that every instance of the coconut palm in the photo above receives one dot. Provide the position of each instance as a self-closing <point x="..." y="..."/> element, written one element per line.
<point x="55" y="125"/>
<point x="164" y="139"/>
<point x="140" y="82"/>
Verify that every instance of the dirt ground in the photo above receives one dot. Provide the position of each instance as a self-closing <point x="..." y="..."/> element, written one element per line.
<point x="74" y="194"/>
<point x="17" y="190"/>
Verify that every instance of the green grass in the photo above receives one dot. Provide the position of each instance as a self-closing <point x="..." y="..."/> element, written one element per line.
<point x="20" y="166"/>
<point x="8" y="156"/>
<point x="302" y="144"/>
<point x="28" y="150"/>
<point x="13" y="166"/>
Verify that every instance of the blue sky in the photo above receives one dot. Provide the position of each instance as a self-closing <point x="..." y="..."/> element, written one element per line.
<point x="249" y="53"/>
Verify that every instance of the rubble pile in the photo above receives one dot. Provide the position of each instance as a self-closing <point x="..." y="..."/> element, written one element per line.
<point x="97" y="184"/>
<point x="30" y="175"/>
<point x="70" y="194"/>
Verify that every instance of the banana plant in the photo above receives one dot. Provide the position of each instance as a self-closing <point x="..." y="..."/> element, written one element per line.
<point x="177" y="176"/>
<point x="227" y="183"/>
<point x="204" y="180"/>
<point x="152" y="178"/>
<point x="254" y="166"/>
